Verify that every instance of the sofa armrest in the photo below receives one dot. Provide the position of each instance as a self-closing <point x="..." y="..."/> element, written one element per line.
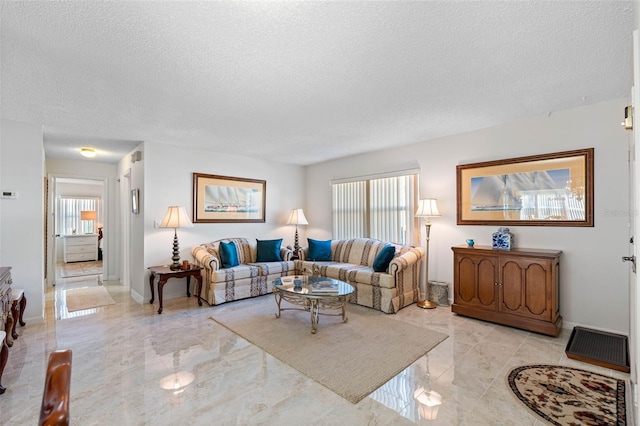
<point x="286" y="253"/>
<point x="302" y="253"/>
<point x="406" y="260"/>
<point x="204" y="257"/>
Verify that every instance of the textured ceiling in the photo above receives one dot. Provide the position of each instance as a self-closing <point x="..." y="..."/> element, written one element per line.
<point x="303" y="82"/>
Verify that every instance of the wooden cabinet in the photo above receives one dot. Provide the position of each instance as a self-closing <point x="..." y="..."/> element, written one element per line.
<point x="79" y="248"/>
<point x="6" y="299"/>
<point x="6" y="321"/>
<point x="519" y="288"/>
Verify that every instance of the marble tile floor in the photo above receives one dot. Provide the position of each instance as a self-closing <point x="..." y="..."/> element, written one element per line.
<point x="123" y="353"/>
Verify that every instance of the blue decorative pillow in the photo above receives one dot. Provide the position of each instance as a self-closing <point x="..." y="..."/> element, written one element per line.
<point x="383" y="258"/>
<point x="269" y="251"/>
<point x="228" y="254"/>
<point x="319" y="250"/>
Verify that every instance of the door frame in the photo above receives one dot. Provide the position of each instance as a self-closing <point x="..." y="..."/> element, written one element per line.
<point x="52" y="252"/>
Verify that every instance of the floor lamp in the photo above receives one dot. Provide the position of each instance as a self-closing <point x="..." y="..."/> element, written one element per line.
<point x="175" y="218"/>
<point x="426" y="208"/>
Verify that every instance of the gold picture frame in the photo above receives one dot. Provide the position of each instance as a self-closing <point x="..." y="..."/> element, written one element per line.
<point x="540" y="190"/>
<point x="226" y="199"/>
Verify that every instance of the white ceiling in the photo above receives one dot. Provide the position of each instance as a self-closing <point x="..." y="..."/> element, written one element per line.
<point x="302" y="82"/>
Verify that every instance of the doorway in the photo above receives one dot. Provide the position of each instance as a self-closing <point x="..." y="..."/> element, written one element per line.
<point x="76" y="210"/>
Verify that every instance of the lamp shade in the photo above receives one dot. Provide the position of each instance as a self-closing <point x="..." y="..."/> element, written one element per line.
<point x="427" y="207"/>
<point x="176" y="217"/>
<point x="297" y="218"/>
<point x="87" y="214"/>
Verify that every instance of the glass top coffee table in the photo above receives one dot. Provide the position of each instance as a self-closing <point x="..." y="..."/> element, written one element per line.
<point x="312" y="294"/>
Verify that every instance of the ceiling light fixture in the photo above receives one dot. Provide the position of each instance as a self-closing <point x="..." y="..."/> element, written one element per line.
<point x="88" y="152"/>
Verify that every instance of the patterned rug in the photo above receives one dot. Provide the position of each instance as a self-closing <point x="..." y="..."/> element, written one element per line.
<point x="570" y="396"/>
<point x="79" y="269"/>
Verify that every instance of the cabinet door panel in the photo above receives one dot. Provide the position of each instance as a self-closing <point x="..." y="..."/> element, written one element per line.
<point x="525" y="287"/>
<point x="467" y="279"/>
<point x="537" y="290"/>
<point x="476" y="277"/>
<point x="512" y="285"/>
<point x="487" y="282"/>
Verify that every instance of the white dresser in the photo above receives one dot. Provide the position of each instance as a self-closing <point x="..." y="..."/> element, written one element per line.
<point x="79" y="248"/>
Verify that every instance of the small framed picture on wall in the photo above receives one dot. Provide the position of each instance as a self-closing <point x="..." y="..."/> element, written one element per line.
<point x="135" y="201"/>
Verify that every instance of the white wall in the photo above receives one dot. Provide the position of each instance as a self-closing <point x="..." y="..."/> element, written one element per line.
<point x="107" y="172"/>
<point x="132" y="176"/>
<point x="168" y="177"/>
<point x="594" y="281"/>
<point x="21" y="219"/>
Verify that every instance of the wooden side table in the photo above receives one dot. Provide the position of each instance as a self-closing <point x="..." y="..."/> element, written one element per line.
<point x="164" y="273"/>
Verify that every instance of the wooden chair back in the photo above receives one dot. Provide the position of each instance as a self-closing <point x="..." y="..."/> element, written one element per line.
<point x="55" y="398"/>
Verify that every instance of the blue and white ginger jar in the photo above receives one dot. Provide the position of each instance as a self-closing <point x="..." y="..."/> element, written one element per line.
<point x="502" y="239"/>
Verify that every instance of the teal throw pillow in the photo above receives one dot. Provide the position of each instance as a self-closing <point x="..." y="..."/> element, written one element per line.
<point x="269" y="251"/>
<point x="319" y="250"/>
<point x="228" y="254"/>
<point x="383" y="258"/>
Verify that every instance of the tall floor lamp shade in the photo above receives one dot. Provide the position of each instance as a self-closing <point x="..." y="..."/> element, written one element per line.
<point x="297" y="218"/>
<point x="175" y="218"/>
<point x="427" y="208"/>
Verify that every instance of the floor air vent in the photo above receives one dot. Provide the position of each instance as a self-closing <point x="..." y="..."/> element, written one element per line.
<point x="600" y="348"/>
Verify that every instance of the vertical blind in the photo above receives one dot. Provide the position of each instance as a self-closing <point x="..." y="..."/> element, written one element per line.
<point x="69" y="209"/>
<point x="375" y="208"/>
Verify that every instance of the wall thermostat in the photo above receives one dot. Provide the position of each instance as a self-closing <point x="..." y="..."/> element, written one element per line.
<point x="9" y="194"/>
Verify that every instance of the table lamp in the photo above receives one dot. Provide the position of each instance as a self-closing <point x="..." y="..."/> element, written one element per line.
<point x="88" y="215"/>
<point x="175" y="218"/>
<point x="297" y="218"/>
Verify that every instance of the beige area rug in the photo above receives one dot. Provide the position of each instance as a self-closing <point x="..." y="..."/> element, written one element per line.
<point x="352" y="359"/>
<point x="87" y="298"/>
<point x="79" y="269"/>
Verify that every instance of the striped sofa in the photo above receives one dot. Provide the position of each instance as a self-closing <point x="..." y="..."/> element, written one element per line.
<point x="352" y="262"/>
<point x="248" y="279"/>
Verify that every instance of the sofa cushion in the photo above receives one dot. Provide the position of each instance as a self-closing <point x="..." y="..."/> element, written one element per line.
<point x="384" y="256"/>
<point x="228" y="254"/>
<point x="268" y="250"/>
<point x="319" y="250"/>
<point x="237" y="272"/>
<point x="275" y="269"/>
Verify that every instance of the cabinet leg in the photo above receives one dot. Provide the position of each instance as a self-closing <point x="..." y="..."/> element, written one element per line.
<point x="23" y="306"/>
<point x="7" y="328"/>
<point x="4" y="355"/>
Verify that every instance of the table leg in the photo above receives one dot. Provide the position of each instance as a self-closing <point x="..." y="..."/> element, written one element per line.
<point x="151" y="278"/>
<point x="278" y="297"/>
<point x="188" y="282"/>
<point x="344" y="310"/>
<point x="199" y="288"/>
<point x="161" y="282"/>
<point x="315" y="313"/>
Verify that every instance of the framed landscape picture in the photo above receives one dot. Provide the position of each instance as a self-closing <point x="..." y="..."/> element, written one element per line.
<point x="545" y="190"/>
<point x="220" y="199"/>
